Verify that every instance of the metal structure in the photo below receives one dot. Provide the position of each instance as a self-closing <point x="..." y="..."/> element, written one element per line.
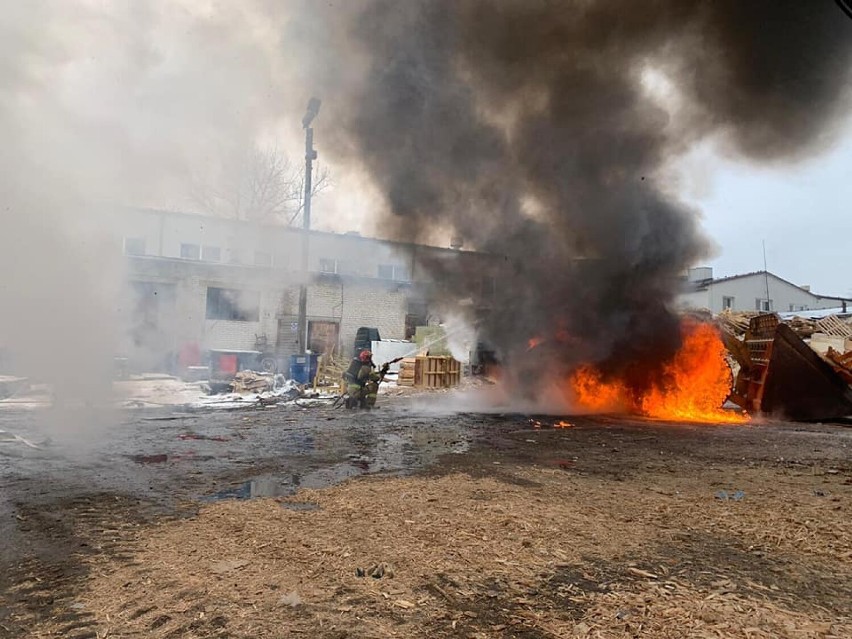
<point x="782" y="375"/>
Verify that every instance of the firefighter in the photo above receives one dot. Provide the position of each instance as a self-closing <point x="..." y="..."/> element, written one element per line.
<point x="362" y="381"/>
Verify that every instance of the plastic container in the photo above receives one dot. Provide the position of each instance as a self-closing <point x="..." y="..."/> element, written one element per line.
<point x="303" y="368"/>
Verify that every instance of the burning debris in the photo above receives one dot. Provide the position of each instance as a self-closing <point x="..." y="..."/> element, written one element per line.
<point x="693" y="385"/>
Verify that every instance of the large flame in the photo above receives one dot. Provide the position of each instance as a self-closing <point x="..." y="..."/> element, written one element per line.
<point x="695" y="384"/>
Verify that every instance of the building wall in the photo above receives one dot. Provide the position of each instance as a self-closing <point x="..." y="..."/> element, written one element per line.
<point x="694" y="299"/>
<point x="371" y="284"/>
<point x="349" y="302"/>
<point x="746" y="290"/>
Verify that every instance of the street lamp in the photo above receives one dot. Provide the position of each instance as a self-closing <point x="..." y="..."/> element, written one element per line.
<point x="310" y="156"/>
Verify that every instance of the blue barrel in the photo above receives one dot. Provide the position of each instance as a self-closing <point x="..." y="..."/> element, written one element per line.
<point x="303" y="368"/>
<point x="299" y="369"/>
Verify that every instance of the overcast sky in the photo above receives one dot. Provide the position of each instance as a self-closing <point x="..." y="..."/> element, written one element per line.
<point x="803" y="212"/>
<point x="117" y="98"/>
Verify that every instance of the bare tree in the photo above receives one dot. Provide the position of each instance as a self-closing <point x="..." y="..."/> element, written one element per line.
<point x="261" y="185"/>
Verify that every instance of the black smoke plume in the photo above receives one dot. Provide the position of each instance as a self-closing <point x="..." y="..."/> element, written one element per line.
<point x="528" y="128"/>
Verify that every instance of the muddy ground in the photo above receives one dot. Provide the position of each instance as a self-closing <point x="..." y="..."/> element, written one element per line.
<point x="311" y="522"/>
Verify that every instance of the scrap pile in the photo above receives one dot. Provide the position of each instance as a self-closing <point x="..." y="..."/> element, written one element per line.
<point x="252" y="382"/>
<point x="841" y="362"/>
<point x="737" y="322"/>
<point x="837" y="334"/>
<point x="801" y="368"/>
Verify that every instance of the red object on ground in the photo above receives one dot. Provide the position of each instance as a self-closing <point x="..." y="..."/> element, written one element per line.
<point x="228" y="364"/>
<point x="190" y="355"/>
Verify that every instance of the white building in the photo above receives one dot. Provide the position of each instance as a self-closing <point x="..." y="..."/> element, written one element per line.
<point x="748" y="292"/>
<point x="199" y="283"/>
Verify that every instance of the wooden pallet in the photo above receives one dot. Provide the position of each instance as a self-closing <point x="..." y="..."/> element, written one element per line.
<point x="407" y="372"/>
<point x="833" y="325"/>
<point x="436" y="372"/>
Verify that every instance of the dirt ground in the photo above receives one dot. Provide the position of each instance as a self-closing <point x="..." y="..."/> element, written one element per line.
<point x="606" y="528"/>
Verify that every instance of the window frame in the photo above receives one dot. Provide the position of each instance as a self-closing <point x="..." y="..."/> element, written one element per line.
<point x="229" y="304"/>
<point x="187" y="245"/>
<point x="325" y="261"/>
<point x="396" y="272"/>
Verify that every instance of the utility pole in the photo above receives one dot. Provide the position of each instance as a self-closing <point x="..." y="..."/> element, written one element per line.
<point x="310" y="156"/>
<point x="766" y="279"/>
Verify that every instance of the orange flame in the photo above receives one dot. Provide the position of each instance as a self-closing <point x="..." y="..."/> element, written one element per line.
<point x="533" y="342"/>
<point x="696" y="383"/>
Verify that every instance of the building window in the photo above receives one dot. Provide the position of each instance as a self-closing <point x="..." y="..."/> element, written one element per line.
<point x="262" y="258"/>
<point x="418" y="314"/>
<point x="134" y="246"/>
<point x="211" y="253"/>
<point x="763" y="305"/>
<point x="393" y="272"/>
<point x="329" y="266"/>
<point x="727" y="302"/>
<point x="231" y="304"/>
<point x="190" y="251"/>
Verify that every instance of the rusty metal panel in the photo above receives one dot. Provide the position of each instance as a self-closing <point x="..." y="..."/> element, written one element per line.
<point x="800" y="385"/>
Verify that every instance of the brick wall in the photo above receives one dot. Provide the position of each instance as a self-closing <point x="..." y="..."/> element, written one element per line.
<point x="243" y="335"/>
<point x="356" y="303"/>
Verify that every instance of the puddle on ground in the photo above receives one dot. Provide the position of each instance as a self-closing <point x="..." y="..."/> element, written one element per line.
<point x="285" y="485"/>
<point x="364" y="451"/>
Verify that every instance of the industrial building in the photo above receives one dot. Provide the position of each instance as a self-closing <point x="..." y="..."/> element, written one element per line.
<point x="758" y="291"/>
<point x="198" y="283"/>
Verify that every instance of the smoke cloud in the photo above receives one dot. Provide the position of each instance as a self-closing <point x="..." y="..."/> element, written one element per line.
<point x="539" y="131"/>
<point x="104" y="105"/>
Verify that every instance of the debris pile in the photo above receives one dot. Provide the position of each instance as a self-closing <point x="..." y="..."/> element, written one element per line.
<point x="800" y="369"/>
<point x="841" y="362"/>
<point x="737" y="323"/>
<point x="252" y="382"/>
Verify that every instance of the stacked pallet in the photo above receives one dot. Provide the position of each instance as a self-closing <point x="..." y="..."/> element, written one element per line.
<point x="407" y="372"/>
<point x="439" y="372"/>
<point x="833" y="325"/>
<point x="429" y="372"/>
